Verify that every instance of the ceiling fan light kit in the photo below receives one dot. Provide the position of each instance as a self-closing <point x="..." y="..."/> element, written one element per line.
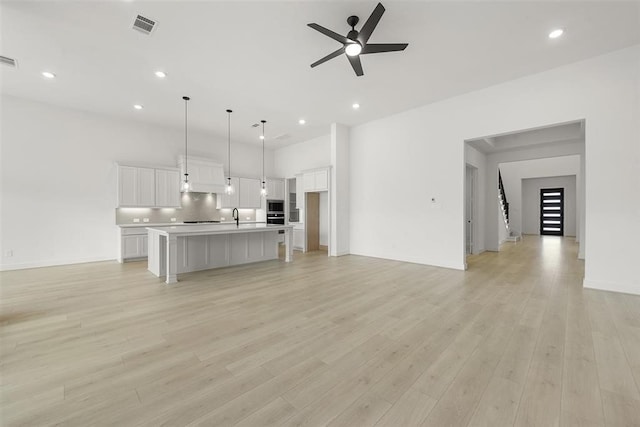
<point x="355" y="43"/>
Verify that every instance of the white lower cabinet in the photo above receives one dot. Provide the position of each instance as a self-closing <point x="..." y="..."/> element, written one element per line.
<point x="219" y="250"/>
<point x="133" y="243"/>
<point x="298" y="238"/>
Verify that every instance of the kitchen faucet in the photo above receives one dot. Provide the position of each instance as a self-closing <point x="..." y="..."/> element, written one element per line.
<point x="236" y="216"/>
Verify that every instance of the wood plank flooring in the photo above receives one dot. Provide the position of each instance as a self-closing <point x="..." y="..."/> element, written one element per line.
<point x="349" y="341"/>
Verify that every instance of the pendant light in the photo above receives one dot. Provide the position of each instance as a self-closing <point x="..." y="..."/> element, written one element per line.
<point x="263" y="190"/>
<point x="186" y="186"/>
<point x="229" y="189"/>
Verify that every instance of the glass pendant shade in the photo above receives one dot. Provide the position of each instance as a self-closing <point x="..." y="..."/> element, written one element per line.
<point x="263" y="190"/>
<point x="186" y="185"/>
<point x="228" y="189"/>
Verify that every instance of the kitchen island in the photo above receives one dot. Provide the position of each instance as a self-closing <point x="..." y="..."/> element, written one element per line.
<point x="179" y="249"/>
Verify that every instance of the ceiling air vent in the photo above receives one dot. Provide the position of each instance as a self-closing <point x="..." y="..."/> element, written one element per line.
<point x="144" y="25"/>
<point x="255" y="125"/>
<point x="8" y="61"/>
<point x="282" y="137"/>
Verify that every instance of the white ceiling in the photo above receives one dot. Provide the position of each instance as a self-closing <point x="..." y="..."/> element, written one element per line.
<point x="554" y="134"/>
<point x="254" y="57"/>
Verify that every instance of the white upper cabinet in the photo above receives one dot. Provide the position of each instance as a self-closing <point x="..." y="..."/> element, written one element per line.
<point x="275" y="189"/>
<point x="246" y="194"/>
<point x="205" y="176"/>
<point x="136" y="187"/>
<point x="168" y="188"/>
<point x="250" y="193"/>
<point x="127" y="186"/>
<point x="148" y="187"/>
<point x="226" y="201"/>
<point x="316" y="180"/>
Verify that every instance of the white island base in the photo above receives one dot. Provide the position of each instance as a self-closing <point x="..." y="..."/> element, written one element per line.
<point x="175" y="250"/>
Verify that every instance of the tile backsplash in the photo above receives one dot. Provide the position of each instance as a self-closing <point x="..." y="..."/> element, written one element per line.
<point x="195" y="206"/>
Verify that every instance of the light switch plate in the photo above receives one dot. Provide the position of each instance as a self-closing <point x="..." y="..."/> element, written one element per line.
<point x="145" y="220"/>
<point x="136" y="219"/>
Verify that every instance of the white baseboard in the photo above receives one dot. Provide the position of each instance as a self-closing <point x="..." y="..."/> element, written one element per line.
<point x="342" y="253"/>
<point x="51" y="263"/>
<point x="625" y="288"/>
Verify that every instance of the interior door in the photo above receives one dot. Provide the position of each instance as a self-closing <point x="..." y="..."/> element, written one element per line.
<point x="468" y="208"/>
<point x="312" y="223"/>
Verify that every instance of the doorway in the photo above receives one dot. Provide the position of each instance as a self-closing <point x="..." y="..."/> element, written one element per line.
<point x="552" y="211"/>
<point x="316" y="221"/>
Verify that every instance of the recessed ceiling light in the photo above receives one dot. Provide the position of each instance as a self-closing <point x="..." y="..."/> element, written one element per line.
<point x="161" y="74"/>
<point x="556" y="33"/>
<point x="48" y="75"/>
<point x="138" y="106"/>
<point x="302" y="121"/>
<point x="356" y="106"/>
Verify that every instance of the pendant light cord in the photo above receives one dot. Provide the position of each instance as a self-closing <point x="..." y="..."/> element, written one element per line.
<point x="186" y="136"/>
<point x="186" y="139"/>
<point x="229" y="144"/>
<point x="263" y="122"/>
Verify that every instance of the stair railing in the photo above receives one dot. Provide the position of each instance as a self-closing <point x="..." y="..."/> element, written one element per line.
<point x="503" y="196"/>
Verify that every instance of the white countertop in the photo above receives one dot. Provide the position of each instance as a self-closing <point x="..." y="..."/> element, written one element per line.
<point x="176" y="224"/>
<point x="226" y="228"/>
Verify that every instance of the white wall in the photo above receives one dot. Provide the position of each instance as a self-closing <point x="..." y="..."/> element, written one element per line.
<point x="408" y="158"/>
<point x="531" y="203"/>
<point x="59" y="177"/>
<point x="513" y="174"/>
<point x="292" y="159"/>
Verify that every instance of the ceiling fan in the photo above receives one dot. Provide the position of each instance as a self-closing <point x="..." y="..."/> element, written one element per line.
<point x="355" y="43"/>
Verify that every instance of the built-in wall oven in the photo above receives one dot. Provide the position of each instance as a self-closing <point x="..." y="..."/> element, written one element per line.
<point x="275" y="213"/>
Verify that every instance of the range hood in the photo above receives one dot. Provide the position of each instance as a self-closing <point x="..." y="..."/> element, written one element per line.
<point x="205" y="175"/>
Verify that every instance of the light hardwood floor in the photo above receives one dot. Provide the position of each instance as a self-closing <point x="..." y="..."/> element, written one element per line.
<point x="349" y="341"/>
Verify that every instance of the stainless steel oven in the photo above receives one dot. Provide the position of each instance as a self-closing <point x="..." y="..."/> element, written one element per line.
<point x="275" y="218"/>
<point x="275" y="214"/>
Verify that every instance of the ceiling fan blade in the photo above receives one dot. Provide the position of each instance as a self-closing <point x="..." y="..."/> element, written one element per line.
<point x="327" y="32"/>
<point x="328" y="57"/>
<point x="385" y="47"/>
<point x="356" y="64"/>
<point x="370" y="25"/>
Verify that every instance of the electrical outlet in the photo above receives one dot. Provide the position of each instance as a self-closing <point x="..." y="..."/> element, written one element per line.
<point x="145" y="220"/>
<point x="173" y="220"/>
<point x="136" y="219"/>
<point x="9" y="253"/>
<point x="248" y="217"/>
<point x="222" y="219"/>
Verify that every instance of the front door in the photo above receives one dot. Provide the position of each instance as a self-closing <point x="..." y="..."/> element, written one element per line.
<point x="552" y="211"/>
